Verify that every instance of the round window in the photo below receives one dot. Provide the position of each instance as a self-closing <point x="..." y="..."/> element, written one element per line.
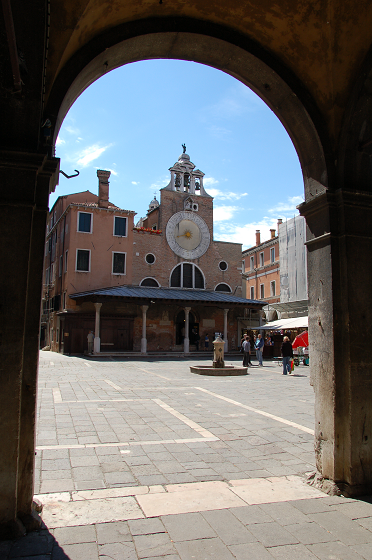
<point x="150" y="258"/>
<point x="223" y="265"/>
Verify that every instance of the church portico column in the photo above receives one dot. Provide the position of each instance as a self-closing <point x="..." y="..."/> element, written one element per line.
<point x="144" y="309"/>
<point x="97" y="329"/>
<point x="186" y="342"/>
<point x="225" y="312"/>
<point x="338" y="237"/>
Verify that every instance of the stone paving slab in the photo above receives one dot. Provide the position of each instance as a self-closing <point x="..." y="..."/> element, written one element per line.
<point x="140" y="459"/>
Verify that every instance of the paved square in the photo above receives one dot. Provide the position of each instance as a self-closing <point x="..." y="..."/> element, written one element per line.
<point x="143" y="459"/>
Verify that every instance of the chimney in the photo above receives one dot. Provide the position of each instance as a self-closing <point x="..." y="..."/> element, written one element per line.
<point x="280" y="221"/>
<point x="258" y="237"/>
<point x="272" y="231"/>
<point x="103" y="188"/>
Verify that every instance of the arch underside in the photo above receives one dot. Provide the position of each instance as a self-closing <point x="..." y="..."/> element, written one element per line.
<point x="213" y="51"/>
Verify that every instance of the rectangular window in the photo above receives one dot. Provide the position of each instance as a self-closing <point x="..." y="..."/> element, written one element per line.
<point x="66" y="255"/>
<point x="272" y="254"/>
<point x="272" y="288"/>
<point x="118" y="263"/>
<point x="64" y="301"/>
<point x="261" y="259"/>
<point x="51" y="273"/>
<point x="252" y="263"/>
<point x="60" y="265"/>
<point x="85" y="222"/>
<point x="82" y="260"/>
<point x="120" y="226"/>
<point x="252" y="292"/>
<point x="47" y="279"/>
<point x="262" y="291"/>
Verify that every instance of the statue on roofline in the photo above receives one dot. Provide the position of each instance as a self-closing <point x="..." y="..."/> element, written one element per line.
<point x="184" y="148"/>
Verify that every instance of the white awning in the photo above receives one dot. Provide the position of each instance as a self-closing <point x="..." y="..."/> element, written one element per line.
<point x="286" y="324"/>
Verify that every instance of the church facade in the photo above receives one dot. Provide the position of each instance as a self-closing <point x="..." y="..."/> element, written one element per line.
<point x="161" y="285"/>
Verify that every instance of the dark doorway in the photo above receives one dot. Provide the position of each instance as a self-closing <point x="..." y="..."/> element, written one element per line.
<point x="180" y="327"/>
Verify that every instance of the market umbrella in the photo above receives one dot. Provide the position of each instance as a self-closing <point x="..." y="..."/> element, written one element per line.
<point x="301" y="340"/>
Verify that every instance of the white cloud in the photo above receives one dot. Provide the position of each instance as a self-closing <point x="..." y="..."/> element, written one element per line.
<point x="60" y="141"/>
<point x="223" y="213"/>
<point x="289" y="207"/>
<point x="160" y="183"/>
<point x="135" y="182"/>
<point x="90" y="154"/>
<point x="71" y="130"/>
<point x="245" y="234"/>
<point x="209" y="181"/>
<point x="221" y="195"/>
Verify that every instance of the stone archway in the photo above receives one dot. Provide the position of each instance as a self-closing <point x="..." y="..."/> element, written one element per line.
<point x="337" y="221"/>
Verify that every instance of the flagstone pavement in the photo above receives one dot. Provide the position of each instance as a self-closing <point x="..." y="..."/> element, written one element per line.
<point x="141" y="459"/>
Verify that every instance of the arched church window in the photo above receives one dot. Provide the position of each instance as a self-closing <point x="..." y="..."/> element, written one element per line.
<point x="150" y="283"/>
<point x="187" y="275"/>
<point x="222" y="288"/>
<point x="186" y="179"/>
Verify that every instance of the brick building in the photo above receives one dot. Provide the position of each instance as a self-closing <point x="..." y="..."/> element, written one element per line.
<point x="261" y="276"/>
<point x="156" y="286"/>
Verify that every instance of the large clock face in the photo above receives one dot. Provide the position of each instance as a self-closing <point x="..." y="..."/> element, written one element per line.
<point x="187" y="235"/>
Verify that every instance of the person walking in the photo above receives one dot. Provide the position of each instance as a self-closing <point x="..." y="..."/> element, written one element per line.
<point x="287" y="353"/>
<point x="259" y="348"/>
<point x="196" y="340"/>
<point x="246" y="351"/>
<point x="90" y="338"/>
<point x="206" y="342"/>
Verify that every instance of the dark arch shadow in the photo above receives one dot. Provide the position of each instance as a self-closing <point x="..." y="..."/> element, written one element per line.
<point x="215" y="46"/>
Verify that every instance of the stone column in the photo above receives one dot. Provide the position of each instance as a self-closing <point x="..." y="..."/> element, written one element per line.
<point x="186" y="342"/>
<point x="26" y="180"/>
<point x="144" y="339"/>
<point x="339" y="244"/>
<point x="97" y="329"/>
<point x="173" y="187"/>
<point x="225" y="312"/>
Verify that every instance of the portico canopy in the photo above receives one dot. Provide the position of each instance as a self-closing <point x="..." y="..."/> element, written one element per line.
<point x="144" y="294"/>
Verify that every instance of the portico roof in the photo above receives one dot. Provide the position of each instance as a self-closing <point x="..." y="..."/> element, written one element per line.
<point x="165" y="294"/>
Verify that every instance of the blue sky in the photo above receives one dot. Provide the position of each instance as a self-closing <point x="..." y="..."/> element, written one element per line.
<point x="133" y="121"/>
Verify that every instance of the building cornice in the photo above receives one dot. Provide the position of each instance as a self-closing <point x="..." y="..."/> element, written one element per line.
<point x="261" y="246"/>
<point x="91" y="208"/>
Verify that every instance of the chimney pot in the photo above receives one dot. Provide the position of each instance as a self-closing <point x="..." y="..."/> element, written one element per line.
<point x="258" y="237"/>
<point x="103" y="188"/>
<point x="280" y="221"/>
<point x="272" y="231"/>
